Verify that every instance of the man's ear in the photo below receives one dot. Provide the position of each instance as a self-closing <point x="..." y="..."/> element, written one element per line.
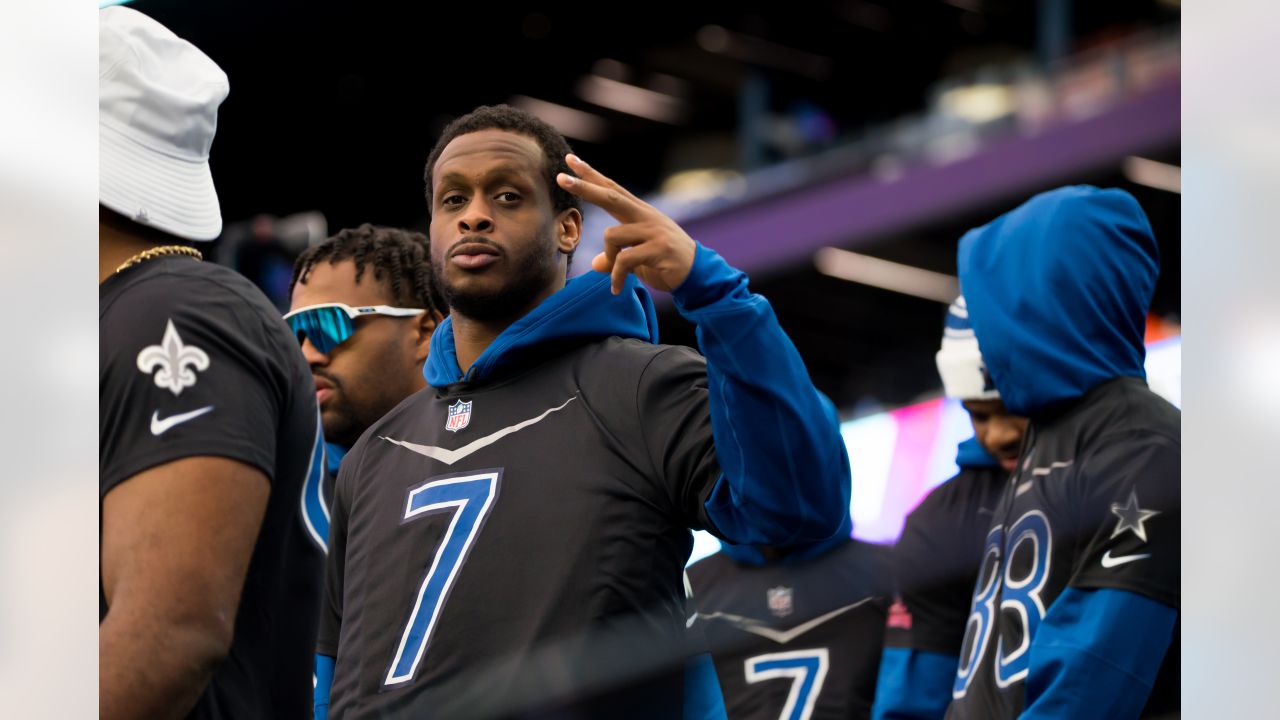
<point x="568" y="230"/>
<point x="425" y="328"/>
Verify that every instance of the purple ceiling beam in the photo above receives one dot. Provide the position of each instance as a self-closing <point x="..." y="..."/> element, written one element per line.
<point x="787" y="230"/>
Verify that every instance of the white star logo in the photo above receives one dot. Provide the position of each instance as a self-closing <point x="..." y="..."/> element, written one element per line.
<point x="1132" y="517"/>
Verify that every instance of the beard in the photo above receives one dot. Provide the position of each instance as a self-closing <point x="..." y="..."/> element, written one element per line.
<point x="345" y="418"/>
<point x="342" y="423"/>
<point x="532" y="272"/>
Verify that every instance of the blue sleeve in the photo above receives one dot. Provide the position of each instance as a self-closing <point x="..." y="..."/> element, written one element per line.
<point x="913" y="684"/>
<point x="324" y="682"/>
<point x="702" y="697"/>
<point x="1096" y="654"/>
<point x="785" y="471"/>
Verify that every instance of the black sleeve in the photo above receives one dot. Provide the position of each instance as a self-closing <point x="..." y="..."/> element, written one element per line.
<point x="185" y="369"/>
<point x="335" y="560"/>
<point x="1131" y="518"/>
<point x="934" y="570"/>
<point x="673" y="407"/>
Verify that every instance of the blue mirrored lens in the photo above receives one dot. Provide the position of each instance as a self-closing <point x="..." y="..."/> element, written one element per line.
<point x="326" y="327"/>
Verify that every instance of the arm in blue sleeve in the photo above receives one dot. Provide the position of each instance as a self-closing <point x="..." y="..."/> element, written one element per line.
<point x="785" y="471"/>
<point x="702" y="697"/>
<point x="1096" y="654"/>
<point x="913" y="684"/>
<point x="324" y="682"/>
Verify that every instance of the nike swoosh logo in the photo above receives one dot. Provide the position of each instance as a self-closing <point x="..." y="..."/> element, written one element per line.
<point x="1109" y="562"/>
<point x="449" y="457"/>
<point x="779" y="636"/>
<point x="159" y="427"/>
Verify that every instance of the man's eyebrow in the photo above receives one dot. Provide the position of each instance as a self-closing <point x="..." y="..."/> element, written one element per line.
<point x="501" y="172"/>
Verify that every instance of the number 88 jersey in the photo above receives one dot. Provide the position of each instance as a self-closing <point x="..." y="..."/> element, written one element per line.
<point x="1094" y="505"/>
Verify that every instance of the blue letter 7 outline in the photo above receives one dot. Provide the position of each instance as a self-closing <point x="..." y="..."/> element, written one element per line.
<point x="471" y="497"/>
<point x="807" y="669"/>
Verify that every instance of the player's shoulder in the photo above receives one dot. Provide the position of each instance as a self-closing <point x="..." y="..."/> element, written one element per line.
<point x="186" y="281"/>
<point x="1148" y="416"/>
<point x="963" y="495"/>
<point x="864" y="559"/>
<point x="623" y="364"/>
<point x="640" y="353"/>
<point x="193" y="290"/>
<point x="1121" y="411"/>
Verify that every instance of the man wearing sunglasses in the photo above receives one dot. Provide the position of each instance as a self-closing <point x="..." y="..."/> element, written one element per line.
<point x="512" y="539"/>
<point x="363" y="310"/>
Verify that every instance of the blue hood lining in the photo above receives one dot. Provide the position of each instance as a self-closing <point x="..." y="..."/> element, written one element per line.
<point x="559" y="319"/>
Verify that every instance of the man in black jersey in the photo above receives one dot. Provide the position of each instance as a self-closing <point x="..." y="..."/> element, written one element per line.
<point x="936" y="559"/>
<point x="795" y="632"/>
<point x="512" y="538"/>
<point x="1075" y="610"/>
<point x="207" y="423"/>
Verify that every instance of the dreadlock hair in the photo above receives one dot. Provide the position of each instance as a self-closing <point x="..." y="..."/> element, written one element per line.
<point x="504" y="117"/>
<point x="400" y="259"/>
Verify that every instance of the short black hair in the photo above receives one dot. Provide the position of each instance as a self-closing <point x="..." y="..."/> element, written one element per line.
<point x="504" y="117"/>
<point x="400" y="259"/>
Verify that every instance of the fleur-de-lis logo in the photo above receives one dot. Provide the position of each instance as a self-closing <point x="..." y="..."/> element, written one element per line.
<point x="177" y="363"/>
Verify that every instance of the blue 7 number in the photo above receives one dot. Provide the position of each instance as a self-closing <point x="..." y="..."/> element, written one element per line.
<point x="469" y="497"/>
<point x="807" y="670"/>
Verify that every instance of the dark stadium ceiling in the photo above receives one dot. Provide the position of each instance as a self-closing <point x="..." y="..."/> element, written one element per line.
<point x="335" y="106"/>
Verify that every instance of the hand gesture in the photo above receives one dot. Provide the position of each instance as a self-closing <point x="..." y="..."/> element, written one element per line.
<point x="647" y="242"/>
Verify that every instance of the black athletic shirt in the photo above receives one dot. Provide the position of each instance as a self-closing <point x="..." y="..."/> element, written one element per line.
<point x="551" y="506"/>
<point x="1095" y="504"/>
<point x="193" y="361"/>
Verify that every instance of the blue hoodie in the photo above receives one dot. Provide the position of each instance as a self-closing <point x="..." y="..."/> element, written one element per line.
<point x="1058" y="291"/>
<point x="753" y="555"/>
<point x="785" y="470"/>
<point x="583" y="311"/>
<point x="1051" y="330"/>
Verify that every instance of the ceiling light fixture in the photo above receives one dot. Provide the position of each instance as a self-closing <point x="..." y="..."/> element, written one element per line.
<point x="631" y="99"/>
<point x="568" y="121"/>
<point x="1161" y="176"/>
<point x="887" y="275"/>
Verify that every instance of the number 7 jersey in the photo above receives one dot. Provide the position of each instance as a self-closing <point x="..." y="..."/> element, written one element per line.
<point x="1095" y="504"/>
<point x="504" y="547"/>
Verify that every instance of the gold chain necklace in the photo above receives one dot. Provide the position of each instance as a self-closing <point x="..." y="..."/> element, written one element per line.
<point x="161" y="251"/>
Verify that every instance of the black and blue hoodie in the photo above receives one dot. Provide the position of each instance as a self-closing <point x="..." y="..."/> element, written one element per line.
<point x="515" y="536"/>
<point x="1077" y="599"/>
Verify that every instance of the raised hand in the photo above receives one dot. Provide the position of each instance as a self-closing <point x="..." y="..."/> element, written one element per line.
<point x="647" y="242"/>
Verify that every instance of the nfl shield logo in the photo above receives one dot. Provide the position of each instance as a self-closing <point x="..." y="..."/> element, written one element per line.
<point x="459" y="416"/>
<point x="780" y="601"/>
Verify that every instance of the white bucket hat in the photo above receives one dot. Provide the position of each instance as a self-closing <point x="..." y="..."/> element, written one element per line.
<point x="964" y="375"/>
<point x="158" y="99"/>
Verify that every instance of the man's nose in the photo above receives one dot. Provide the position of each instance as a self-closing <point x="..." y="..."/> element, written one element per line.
<point x="476" y="218"/>
<point x="312" y="355"/>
